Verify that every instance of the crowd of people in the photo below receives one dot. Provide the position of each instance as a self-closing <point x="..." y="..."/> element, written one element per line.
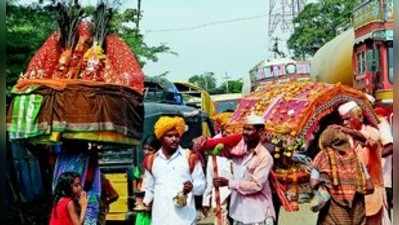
<point x="351" y="175"/>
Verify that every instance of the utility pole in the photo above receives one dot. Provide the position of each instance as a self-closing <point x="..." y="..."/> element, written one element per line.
<point x="281" y="15"/>
<point x="206" y="83"/>
<point x="226" y="78"/>
<point x="204" y="78"/>
<point x="138" y="15"/>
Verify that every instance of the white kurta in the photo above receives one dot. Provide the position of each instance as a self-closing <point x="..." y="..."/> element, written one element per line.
<point x="386" y="138"/>
<point x="225" y="169"/>
<point x="165" y="181"/>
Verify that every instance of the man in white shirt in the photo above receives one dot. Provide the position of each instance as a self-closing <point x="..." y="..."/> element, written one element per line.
<point x="385" y="129"/>
<point x="225" y="169"/>
<point x="172" y="172"/>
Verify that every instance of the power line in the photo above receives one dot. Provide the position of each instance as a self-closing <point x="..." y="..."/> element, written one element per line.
<point x="205" y="25"/>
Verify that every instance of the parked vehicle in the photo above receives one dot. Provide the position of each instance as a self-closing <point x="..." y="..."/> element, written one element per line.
<point x="362" y="56"/>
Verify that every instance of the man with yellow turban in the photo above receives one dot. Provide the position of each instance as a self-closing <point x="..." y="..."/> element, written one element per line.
<point x="172" y="176"/>
<point x="167" y="123"/>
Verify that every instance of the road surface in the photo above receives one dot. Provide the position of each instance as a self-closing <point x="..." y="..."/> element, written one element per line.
<point x="303" y="216"/>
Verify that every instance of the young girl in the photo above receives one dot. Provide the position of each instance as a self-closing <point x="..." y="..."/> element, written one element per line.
<point x="143" y="216"/>
<point x="70" y="201"/>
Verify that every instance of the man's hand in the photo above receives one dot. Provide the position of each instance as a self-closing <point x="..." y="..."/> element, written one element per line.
<point x="205" y="210"/>
<point x="149" y="205"/>
<point x="369" y="187"/>
<point x="187" y="187"/>
<point x="372" y="143"/>
<point x="220" y="182"/>
<point x="198" y="143"/>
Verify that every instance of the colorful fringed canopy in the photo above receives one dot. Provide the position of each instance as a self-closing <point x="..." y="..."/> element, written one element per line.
<point x="295" y="107"/>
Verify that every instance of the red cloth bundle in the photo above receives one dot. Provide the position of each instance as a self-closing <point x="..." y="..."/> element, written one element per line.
<point x="45" y="60"/>
<point x="124" y="63"/>
<point x="228" y="142"/>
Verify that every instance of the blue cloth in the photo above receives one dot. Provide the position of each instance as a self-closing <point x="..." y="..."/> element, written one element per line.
<point x="28" y="172"/>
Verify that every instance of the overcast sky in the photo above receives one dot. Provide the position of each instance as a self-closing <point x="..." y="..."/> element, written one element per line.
<point x="231" y="48"/>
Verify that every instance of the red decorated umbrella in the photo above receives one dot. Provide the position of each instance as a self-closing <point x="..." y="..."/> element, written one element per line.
<point x="294" y="111"/>
<point x="296" y="107"/>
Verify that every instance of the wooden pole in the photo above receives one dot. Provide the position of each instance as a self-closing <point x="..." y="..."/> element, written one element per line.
<point x="218" y="213"/>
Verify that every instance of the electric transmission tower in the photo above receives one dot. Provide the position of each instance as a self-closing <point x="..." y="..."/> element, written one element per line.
<point x="281" y="15"/>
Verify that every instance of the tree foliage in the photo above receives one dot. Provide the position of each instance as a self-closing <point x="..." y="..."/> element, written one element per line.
<point x="234" y="86"/>
<point x="206" y="81"/>
<point x="231" y="86"/>
<point x="27" y="28"/>
<point x="29" y="25"/>
<point x="318" y="23"/>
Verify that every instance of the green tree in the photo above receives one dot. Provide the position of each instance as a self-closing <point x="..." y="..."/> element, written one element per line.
<point x="206" y="81"/>
<point x="29" y="25"/>
<point x="232" y="86"/>
<point x="318" y="23"/>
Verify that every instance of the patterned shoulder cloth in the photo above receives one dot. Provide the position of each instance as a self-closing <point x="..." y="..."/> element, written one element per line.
<point x="192" y="158"/>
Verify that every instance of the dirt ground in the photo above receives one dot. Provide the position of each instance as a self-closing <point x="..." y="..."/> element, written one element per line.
<point x="304" y="216"/>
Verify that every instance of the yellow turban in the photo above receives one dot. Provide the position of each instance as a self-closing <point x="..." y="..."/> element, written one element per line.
<point x="167" y="123"/>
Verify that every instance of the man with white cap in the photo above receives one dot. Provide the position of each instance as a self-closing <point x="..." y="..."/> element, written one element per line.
<point x="369" y="142"/>
<point x="251" y="196"/>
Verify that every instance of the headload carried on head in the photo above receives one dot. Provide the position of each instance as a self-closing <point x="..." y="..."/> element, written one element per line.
<point x="333" y="138"/>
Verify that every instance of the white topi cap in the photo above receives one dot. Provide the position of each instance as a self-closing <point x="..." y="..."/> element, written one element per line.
<point x="347" y="107"/>
<point x="254" y="120"/>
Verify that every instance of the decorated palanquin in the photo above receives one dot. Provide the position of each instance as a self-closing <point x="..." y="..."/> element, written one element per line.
<point x="294" y="110"/>
<point x="83" y="83"/>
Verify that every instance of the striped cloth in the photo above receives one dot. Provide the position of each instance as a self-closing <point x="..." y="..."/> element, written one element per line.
<point x="347" y="166"/>
<point x="25" y="113"/>
<point x="335" y="213"/>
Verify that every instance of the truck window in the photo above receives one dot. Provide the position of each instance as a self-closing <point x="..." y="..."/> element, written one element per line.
<point x="222" y="106"/>
<point x="372" y="59"/>
<point x="361" y="63"/>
